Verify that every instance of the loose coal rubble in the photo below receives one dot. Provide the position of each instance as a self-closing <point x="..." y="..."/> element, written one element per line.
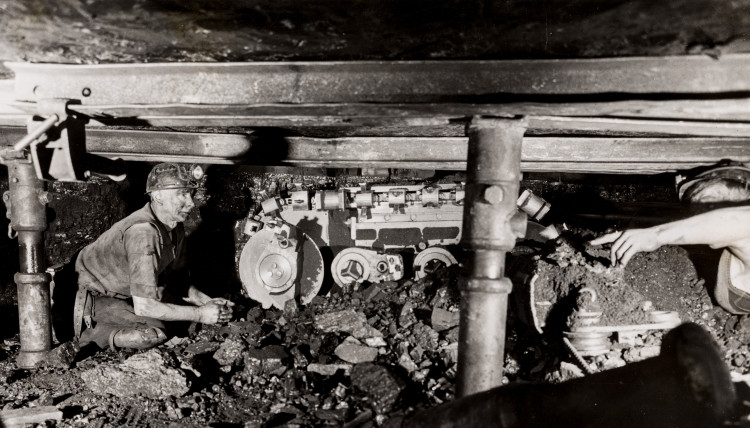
<point x="359" y="357"/>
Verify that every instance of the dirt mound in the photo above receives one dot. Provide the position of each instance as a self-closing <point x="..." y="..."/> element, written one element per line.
<point x="570" y="275"/>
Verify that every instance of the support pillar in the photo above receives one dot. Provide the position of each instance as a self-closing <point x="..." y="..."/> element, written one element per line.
<point x="26" y="202"/>
<point x="490" y="227"/>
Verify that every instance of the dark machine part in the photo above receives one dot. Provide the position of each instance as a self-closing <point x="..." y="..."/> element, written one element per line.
<point x="687" y="385"/>
<point x="491" y="224"/>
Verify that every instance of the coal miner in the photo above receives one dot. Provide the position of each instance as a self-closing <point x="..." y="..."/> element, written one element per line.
<point x="727" y="228"/>
<point x="130" y="278"/>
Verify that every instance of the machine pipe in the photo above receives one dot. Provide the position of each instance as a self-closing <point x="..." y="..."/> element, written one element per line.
<point x="687" y="385"/>
<point x="490" y="228"/>
<point x="29" y="219"/>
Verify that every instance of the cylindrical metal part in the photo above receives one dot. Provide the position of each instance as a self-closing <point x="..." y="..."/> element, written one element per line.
<point x="481" y="343"/>
<point x="431" y="196"/>
<point x="364" y="199"/>
<point x="687" y="385"/>
<point x="460" y="196"/>
<point x="328" y="200"/>
<point x="31" y="251"/>
<point x="397" y="197"/>
<point x="533" y="205"/>
<point x="27" y="197"/>
<point x="34" y="318"/>
<point x="493" y="170"/>
<point x="29" y="219"/>
<point x="486" y="264"/>
<point x="493" y="175"/>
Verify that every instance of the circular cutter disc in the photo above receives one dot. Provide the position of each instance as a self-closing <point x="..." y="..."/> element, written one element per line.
<point x="266" y="269"/>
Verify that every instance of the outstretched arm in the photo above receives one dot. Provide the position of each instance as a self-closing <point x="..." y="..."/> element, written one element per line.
<point x="210" y="312"/>
<point x="726" y="227"/>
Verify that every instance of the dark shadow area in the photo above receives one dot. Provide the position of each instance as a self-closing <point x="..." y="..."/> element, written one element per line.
<point x="706" y="262"/>
<point x="211" y="246"/>
<point x="63" y="300"/>
<point x="133" y="189"/>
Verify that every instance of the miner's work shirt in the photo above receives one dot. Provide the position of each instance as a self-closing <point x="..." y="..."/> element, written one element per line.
<point x="133" y="258"/>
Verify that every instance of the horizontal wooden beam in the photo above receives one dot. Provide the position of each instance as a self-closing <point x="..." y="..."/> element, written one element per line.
<point x="539" y="154"/>
<point x="433" y="116"/>
<point x="417" y="115"/>
<point x="377" y="82"/>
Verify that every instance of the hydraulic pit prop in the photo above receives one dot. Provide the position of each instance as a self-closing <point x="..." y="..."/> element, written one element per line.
<point x="491" y="225"/>
<point x="45" y="153"/>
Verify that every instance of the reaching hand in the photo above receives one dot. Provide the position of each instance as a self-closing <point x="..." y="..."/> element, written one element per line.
<point x="626" y="244"/>
<point x="215" y="311"/>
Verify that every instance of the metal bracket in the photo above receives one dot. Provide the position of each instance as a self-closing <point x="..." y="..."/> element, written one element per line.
<point x="55" y="142"/>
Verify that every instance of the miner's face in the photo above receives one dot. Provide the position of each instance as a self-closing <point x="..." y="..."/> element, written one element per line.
<point x="177" y="204"/>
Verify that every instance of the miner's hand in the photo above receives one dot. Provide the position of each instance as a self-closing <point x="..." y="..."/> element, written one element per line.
<point x="214" y="312"/>
<point x="626" y="244"/>
<point x="222" y="301"/>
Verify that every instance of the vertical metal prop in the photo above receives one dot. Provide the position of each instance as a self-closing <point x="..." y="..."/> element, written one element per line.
<point x="28" y="200"/>
<point x="491" y="225"/>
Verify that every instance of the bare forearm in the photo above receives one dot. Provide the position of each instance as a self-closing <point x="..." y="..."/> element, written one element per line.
<point x="164" y="311"/>
<point x="719" y="228"/>
<point x="197" y="297"/>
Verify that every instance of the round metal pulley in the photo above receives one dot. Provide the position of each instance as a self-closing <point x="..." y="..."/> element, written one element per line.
<point x="350" y="266"/>
<point x="431" y="259"/>
<point x="275" y="269"/>
<point x="276" y="272"/>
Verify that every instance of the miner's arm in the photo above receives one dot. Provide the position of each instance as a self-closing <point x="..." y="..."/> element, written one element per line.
<point x="212" y="312"/>
<point x="142" y="246"/>
<point x="726" y="227"/>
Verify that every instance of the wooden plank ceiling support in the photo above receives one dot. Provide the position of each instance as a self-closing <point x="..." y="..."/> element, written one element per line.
<point x="424" y="116"/>
<point x="735" y="109"/>
<point x="539" y="154"/>
<point x="377" y="82"/>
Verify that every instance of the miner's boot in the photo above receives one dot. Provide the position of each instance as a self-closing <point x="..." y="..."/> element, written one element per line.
<point x="137" y="338"/>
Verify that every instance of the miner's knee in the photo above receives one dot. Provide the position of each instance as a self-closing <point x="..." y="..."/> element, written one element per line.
<point x="137" y="338"/>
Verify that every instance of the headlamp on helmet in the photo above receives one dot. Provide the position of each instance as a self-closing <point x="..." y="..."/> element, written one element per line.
<point x="174" y="176"/>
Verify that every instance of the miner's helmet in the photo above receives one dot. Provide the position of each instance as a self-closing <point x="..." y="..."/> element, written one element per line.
<point x="727" y="182"/>
<point x="174" y="176"/>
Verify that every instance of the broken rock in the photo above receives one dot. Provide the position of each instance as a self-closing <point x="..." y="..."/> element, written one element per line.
<point x="407" y="363"/>
<point x="347" y="321"/>
<point x="329" y="369"/>
<point x="375" y="342"/>
<point x="352" y="351"/>
<point x="230" y="352"/>
<point x="146" y="374"/>
<point x="425" y="337"/>
<point x="62" y="356"/>
<point x="381" y="386"/>
<point x="407" y="317"/>
<point x="443" y="320"/>
<point x="201" y="347"/>
<point x="269" y="360"/>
